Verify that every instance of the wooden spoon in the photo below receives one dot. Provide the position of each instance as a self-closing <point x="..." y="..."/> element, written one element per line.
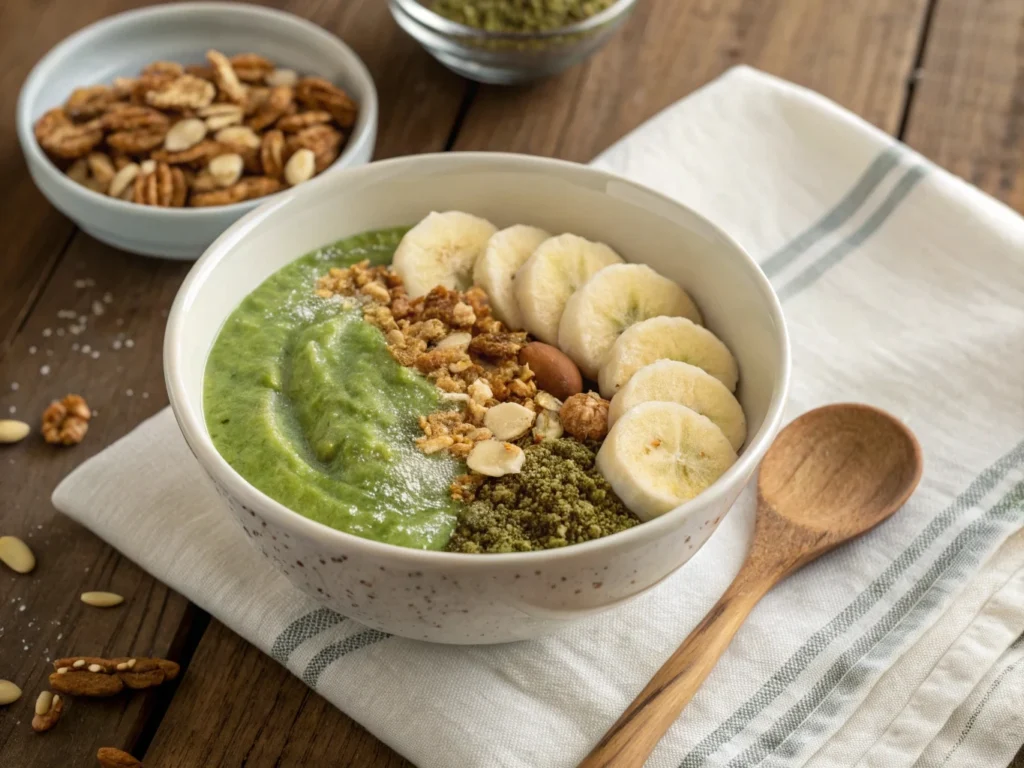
<point x="831" y="475"/>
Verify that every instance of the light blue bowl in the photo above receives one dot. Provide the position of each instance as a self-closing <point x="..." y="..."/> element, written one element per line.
<point x="121" y="46"/>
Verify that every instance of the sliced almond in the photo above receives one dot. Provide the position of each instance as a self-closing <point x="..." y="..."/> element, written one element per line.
<point x="123" y="179"/>
<point x="226" y="169"/>
<point x="101" y="600"/>
<point x="185" y="134"/>
<point x="147" y="166"/>
<point x="459" y="340"/>
<point x="548" y="426"/>
<point x="12" y="431"/>
<point x="509" y="421"/>
<point x="15" y="554"/>
<point x="547" y="401"/>
<point x="9" y="693"/>
<point x="480" y="391"/>
<point x="300" y="167"/>
<point x="220" y="116"/>
<point x="286" y="77"/>
<point x="239" y="136"/>
<point x="495" y="458"/>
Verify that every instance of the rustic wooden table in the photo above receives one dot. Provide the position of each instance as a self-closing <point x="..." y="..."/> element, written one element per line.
<point x="945" y="76"/>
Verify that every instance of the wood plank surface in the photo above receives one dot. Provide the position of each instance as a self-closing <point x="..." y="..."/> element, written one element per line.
<point x="864" y="60"/>
<point x="967" y="113"/>
<point x="860" y="54"/>
<point x="47" y="270"/>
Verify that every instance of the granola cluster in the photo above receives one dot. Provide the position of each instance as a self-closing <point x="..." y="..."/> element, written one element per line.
<point x="230" y="130"/>
<point x="449" y="336"/>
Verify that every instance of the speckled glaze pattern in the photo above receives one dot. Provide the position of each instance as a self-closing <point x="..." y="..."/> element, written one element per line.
<point x="489" y="603"/>
<point x="460" y="598"/>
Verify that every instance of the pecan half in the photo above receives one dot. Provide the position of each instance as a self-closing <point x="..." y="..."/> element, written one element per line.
<point x="164" y="187"/>
<point x="90" y="102"/>
<point x="278" y="102"/>
<point x="133" y="117"/>
<point x="49" y="708"/>
<point x="317" y="93"/>
<point x="66" y="421"/>
<point x="295" y="123"/>
<point x="112" y="757"/>
<point x="251" y="67"/>
<point x="324" y="140"/>
<point x="172" y="68"/>
<point x="72" y="141"/>
<point x="198" y="155"/>
<point x="225" y="77"/>
<point x="184" y="92"/>
<point x="84" y="683"/>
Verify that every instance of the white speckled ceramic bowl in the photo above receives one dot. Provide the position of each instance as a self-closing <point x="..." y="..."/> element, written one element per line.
<point x="121" y="46"/>
<point x="459" y="598"/>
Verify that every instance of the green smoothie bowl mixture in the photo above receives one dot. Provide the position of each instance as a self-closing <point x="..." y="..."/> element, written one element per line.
<point x="386" y="386"/>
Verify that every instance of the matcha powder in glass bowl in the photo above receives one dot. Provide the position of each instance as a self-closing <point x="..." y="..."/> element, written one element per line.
<point x="558" y="498"/>
<point x="519" y="15"/>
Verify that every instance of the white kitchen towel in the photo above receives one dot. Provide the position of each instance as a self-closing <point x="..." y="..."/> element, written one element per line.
<point x="902" y="287"/>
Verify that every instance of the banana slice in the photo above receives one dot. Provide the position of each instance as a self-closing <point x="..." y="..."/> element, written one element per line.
<point x="496" y="268"/>
<point x="613" y="299"/>
<point x="548" y="278"/>
<point x="673" y="381"/>
<point x="659" y="455"/>
<point x="441" y="250"/>
<point x="670" y="338"/>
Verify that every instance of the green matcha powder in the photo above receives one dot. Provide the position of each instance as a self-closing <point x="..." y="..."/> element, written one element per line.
<point x="559" y="498"/>
<point x="519" y="15"/>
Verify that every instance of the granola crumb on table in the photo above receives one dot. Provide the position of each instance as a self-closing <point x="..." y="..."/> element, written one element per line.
<point x="66" y="421"/>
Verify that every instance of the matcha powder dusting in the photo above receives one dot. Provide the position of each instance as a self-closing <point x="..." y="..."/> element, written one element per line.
<point x="558" y="498"/>
<point x="519" y="15"/>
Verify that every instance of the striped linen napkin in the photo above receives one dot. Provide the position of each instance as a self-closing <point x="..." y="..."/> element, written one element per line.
<point x="903" y="287"/>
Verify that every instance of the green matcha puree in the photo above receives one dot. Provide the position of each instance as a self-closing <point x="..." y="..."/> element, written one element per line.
<point x="303" y="399"/>
<point x="519" y="15"/>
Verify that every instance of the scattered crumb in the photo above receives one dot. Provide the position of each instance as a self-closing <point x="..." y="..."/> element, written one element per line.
<point x="95" y="354"/>
<point x="86" y="349"/>
<point x="12" y="409"/>
<point x="49" y="353"/>
<point x="45" y="370"/>
<point x="129" y="392"/>
<point x="33" y="349"/>
<point x="129" y="343"/>
<point x="145" y="395"/>
<point x="117" y="344"/>
<point x="47" y="333"/>
<point x="60" y="331"/>
<point x="75" y="347"/>
<point x="108" y="298"/>
<point x="82" y="319"/>
<point x="67" y="314"/>
<point x="14" y="386"/>
<point x="119" y="322"/>
<point x="22" y="607"/>
<point x="98" y="308"/>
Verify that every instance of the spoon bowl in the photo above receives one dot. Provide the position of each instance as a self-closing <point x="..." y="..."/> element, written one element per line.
<point x="831" y="475"/>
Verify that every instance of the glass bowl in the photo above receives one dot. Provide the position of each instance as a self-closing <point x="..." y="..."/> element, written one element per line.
<point x="506" y="58"/>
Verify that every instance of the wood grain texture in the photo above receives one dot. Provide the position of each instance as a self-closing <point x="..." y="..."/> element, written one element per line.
<point x="967" y="112"/>
<point x="831" y="474"/>
<point x="859" y="54"/>
<point x="236" y="707"/>
<point x="40" y="261"/>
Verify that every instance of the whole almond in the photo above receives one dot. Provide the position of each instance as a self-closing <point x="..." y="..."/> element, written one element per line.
<point x="111" y="757"/>
<point x="554" y="372"/>
<point x="300" y="167"/>
<point x="226" y="169"/>
<point x="15" y="554"/>
<point x="9" y="693"/>
<point x="239" y="136"/>
<point x="122" y="179"/>
<point x="102" y="599"/>
<point x="185" y="134"/>
<point x="12" y="431"/>
<point x="286" y="77"/>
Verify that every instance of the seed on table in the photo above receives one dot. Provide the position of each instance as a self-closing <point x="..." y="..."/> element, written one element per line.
<point x="43" y="702"/>
<point x="100" y="600"/>
<point x="9" y="692"/>
<point x="300" y="167"/>
<point x="11" y="430"/>
<point x="185" y="134"/>
<point x="15" y="554"/>
<point x="63" y="670"/>
<point x="79" y="664"/>
<point x="95" y="668"/>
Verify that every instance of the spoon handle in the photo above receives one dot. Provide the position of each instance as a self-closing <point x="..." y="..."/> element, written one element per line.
<point x="629" y="742"/>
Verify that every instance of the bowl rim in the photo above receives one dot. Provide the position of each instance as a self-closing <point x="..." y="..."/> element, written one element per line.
<point x="423" y="15"/>
<point x="362" y="132"/>
<point x="192" y="424"/>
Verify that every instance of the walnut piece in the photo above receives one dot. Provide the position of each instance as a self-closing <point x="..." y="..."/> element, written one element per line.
<point x="585" y="416"/>
<point x="66" y="421"/>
